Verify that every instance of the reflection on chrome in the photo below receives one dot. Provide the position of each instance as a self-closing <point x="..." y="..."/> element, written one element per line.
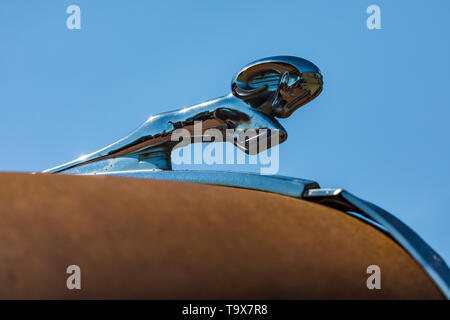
<point x="261" y="91"/>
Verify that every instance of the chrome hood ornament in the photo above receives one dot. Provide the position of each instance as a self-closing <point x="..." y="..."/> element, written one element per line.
<point x="261" y="91"/>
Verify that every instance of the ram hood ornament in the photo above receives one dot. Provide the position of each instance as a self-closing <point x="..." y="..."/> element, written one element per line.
<point x="261" y="91"/>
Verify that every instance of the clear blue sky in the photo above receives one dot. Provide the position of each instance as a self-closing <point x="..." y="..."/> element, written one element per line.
<point x="380" y="128"/>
